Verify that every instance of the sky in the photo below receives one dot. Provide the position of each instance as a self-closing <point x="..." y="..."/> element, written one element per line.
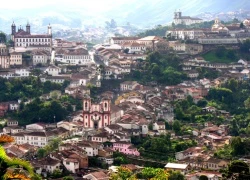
<point x="69" y="4"/>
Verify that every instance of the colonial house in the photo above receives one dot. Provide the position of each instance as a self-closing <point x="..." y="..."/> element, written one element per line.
<point x="122" y="40"/>
<point x="98" y="175"/>
<point x="184" y="34"/>
<point x="71" y="164"/>
<point x="55" y="79"/>
<point x="177" y="46"/>
<point x="79" y="56"/>
<point x="53" y="70"/>
<point x="46" y="165"/>
<point x="39" y="139"/>
<point x="41" y="57"/>
<point x="12" y="123"/>
<point x="128" y="85"/>
<point x="16" y="59"/>
<point x="4" y="57"/>
<point x="91" y="148"/>
<point x="126" y="148"/>
<point x="190" y="152"/>
<point x="183" y="168"/>
<point x="159" y="126"/>
<point x="134" y="47"/>
<point x="13" y="105"/>
<point x="149" y="41"/>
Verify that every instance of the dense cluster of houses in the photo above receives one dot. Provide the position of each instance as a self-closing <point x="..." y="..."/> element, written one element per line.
<point x="136" y="110"/>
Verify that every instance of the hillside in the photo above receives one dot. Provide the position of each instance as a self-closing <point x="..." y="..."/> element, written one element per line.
<point x="145" y="13"/>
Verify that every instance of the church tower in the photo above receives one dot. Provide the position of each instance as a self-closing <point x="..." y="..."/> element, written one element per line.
<point x="49" y="30"/>
<point x="177" y="14"/>
<point x="13" y="31"/>
<point x="86" y="110"/>
<point x="28" y="28"/>
<point x="106" y="112"/>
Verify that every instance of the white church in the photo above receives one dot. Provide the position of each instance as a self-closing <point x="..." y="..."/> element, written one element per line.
<point x="185" y="20"/>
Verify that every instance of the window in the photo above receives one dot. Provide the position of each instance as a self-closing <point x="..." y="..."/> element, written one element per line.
<point x="67" y="163"/>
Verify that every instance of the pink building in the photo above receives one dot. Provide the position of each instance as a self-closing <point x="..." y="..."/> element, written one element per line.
<point x="126" y="148"/>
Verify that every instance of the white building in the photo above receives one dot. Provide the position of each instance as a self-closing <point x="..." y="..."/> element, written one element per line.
<point x="16" y="59"/>
<point x="128" y="85"/>
<point x="185" y="33"/>
<point x="24" y="39"/>
<point x="4" y="57"/>
<point x="53" y="70"/>
<point x="72" y="165"/>
<point x="134" y="47"/>
<point x="185" y="20"/>
<point x="79" y="56"/>
<point x="38" y="139"/>
<point x="22" y="72"/>
<point x="35" y="127"/>
<point x="122" y="40"/>
<point x="13" y="106"/>
<point x="90" y="148"/>
<point x="40" y="57"/>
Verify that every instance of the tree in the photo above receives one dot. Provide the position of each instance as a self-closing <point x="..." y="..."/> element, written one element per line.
<point x="238" y="146"/>
<point x="175" y="175"/>
<point x="239" y="167"/>
<point x="176" y="126"/>
<point x="68" y="178"/>
<point x="220" y="51"/>
<point x="203" y="177"/>
<point x="245" y="46"/>
<point x="41" y="153"/>
<point x="123" y="174"/>
<point x="13" y="168"/>
<point x="242" y="25"/>
<point x="56" y="173"/>
<point x="126" y="50"/>
<point x="231" y="54"/>
<point x="2" y="37"/>
<point x="202" y="103"/>
<point x="247" y="103"/>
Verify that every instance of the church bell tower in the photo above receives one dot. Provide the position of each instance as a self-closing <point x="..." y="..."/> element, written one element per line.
<point x="13" y="31"/>
<point x="28" y="28"/>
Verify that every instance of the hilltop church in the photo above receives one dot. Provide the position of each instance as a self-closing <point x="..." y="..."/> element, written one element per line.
<point x="185" y="20"/>
<point x="24" y="39"/>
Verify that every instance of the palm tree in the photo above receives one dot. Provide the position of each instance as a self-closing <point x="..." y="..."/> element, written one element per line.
<point x="13" y="168"/>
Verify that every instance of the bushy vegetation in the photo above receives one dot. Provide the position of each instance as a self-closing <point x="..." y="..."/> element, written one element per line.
<point x="163" y="69"/>
<point x="163" y="146"/>
<point x="30" y="89"/>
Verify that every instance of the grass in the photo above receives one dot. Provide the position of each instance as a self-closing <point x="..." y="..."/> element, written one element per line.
<point x="211" y="57"/>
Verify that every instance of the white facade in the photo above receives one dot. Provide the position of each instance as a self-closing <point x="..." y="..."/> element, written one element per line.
<point x="185" y="33"/>
<point x="53" y="70"/>
<point x="71" y="165"/>
<point x="77" y="56"/>
<point x="4" y="57"/>
<point x="185" y="20"/>
<point x="40" y="57"/>
<point x="16" y="59"/>
<point x="14" y="106"/>
<point x="35" y="126"/>
<point x="90" y="151"/>
<point x="22" y="72"/>
<point x="33" y="138"/>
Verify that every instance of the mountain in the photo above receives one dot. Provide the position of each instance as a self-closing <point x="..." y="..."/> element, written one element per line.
<point x="66" y="14"/>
